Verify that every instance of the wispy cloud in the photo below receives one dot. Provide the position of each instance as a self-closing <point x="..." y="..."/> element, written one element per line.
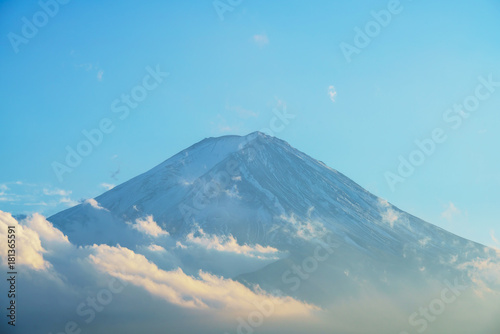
<point x="68" y="201"/>
<point x="450" y="212"/>
<point x="99" y="75"/>
<point x="306" y="229"/>
<point x="156" y="248"/>
<point x="493" y="237"/>
<point x="56" y="192"/>
<point x="261" y="39"/>
<point x="242" y="112"/>
<point x="107" y="186"/>
<point x="23" y="195"/>
<point x="222" y="125"/>
<point x="388" y="214"/>
<point x="332" y="93"/>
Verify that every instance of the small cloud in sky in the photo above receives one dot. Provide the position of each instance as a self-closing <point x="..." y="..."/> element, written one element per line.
<point x="21" y="195"/>
<point x="242" y="112"/>
<point x="450" y="212"/>
<point x="156" y="248"/>
<point x="332" y="93"/>
<point x="99" y="75"/>
<point x="261" y="39"/>
<point x="107" y="186"/>
<point x="223" y="126"/>
<point x="93" y="203"/>
<point x="86" y="66"/>
<point x="3" y="189"/>
<point x="68" y="201"/>
<point x="493" y="237"/>
<point x="56" y="192"/>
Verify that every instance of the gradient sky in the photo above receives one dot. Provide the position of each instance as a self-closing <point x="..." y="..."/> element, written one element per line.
<point x="226" y="77"/>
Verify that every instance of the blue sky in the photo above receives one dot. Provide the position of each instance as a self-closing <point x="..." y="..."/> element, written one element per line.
<point x="226" y="76"/>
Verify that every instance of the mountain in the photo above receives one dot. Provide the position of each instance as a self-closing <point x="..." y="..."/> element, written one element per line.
<point x="312" y="233"/>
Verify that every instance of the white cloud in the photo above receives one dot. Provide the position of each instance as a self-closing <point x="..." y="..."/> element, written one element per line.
<point x="308" y="229"/>
<point x="45" y="230"/>
<point x="233" y="192"/>
<point x="99" y="75"/>
<point x="388" y="214"/>
<point x="148" y="226"/>
<point x="493" y="237"/>
<point x="450" y="212"/>
<point x="92" y="202"/>
<point x="485" y="274"/>
<point x="107" y="186"/>
<point x="56" y="192"/>
<point x="29" y="194"/>
<point x="156" y="248"/>
<point x="332" y="93"/>
<point x="229" y="244"/>
<point x="261" y="39"/>
<point x="179" y="244"/>
<point x="68" y="201"/>
<point x="207" y="291"/>
<point x="423" y="242"/>
<point x="29" y="250"/>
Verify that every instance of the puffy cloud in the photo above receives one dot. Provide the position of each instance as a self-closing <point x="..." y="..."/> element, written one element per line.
<point x="228" y="244"/>
<point x="207" y="291"/>
<point x="450" y="212"/>
<point x="45" y="230"/>
<point x="29" y="250"/>
<point x="156" y="248"/>
<point x="179" y="244"/>
<point x="148" y="226"/>
<point x="93" y="203"/>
